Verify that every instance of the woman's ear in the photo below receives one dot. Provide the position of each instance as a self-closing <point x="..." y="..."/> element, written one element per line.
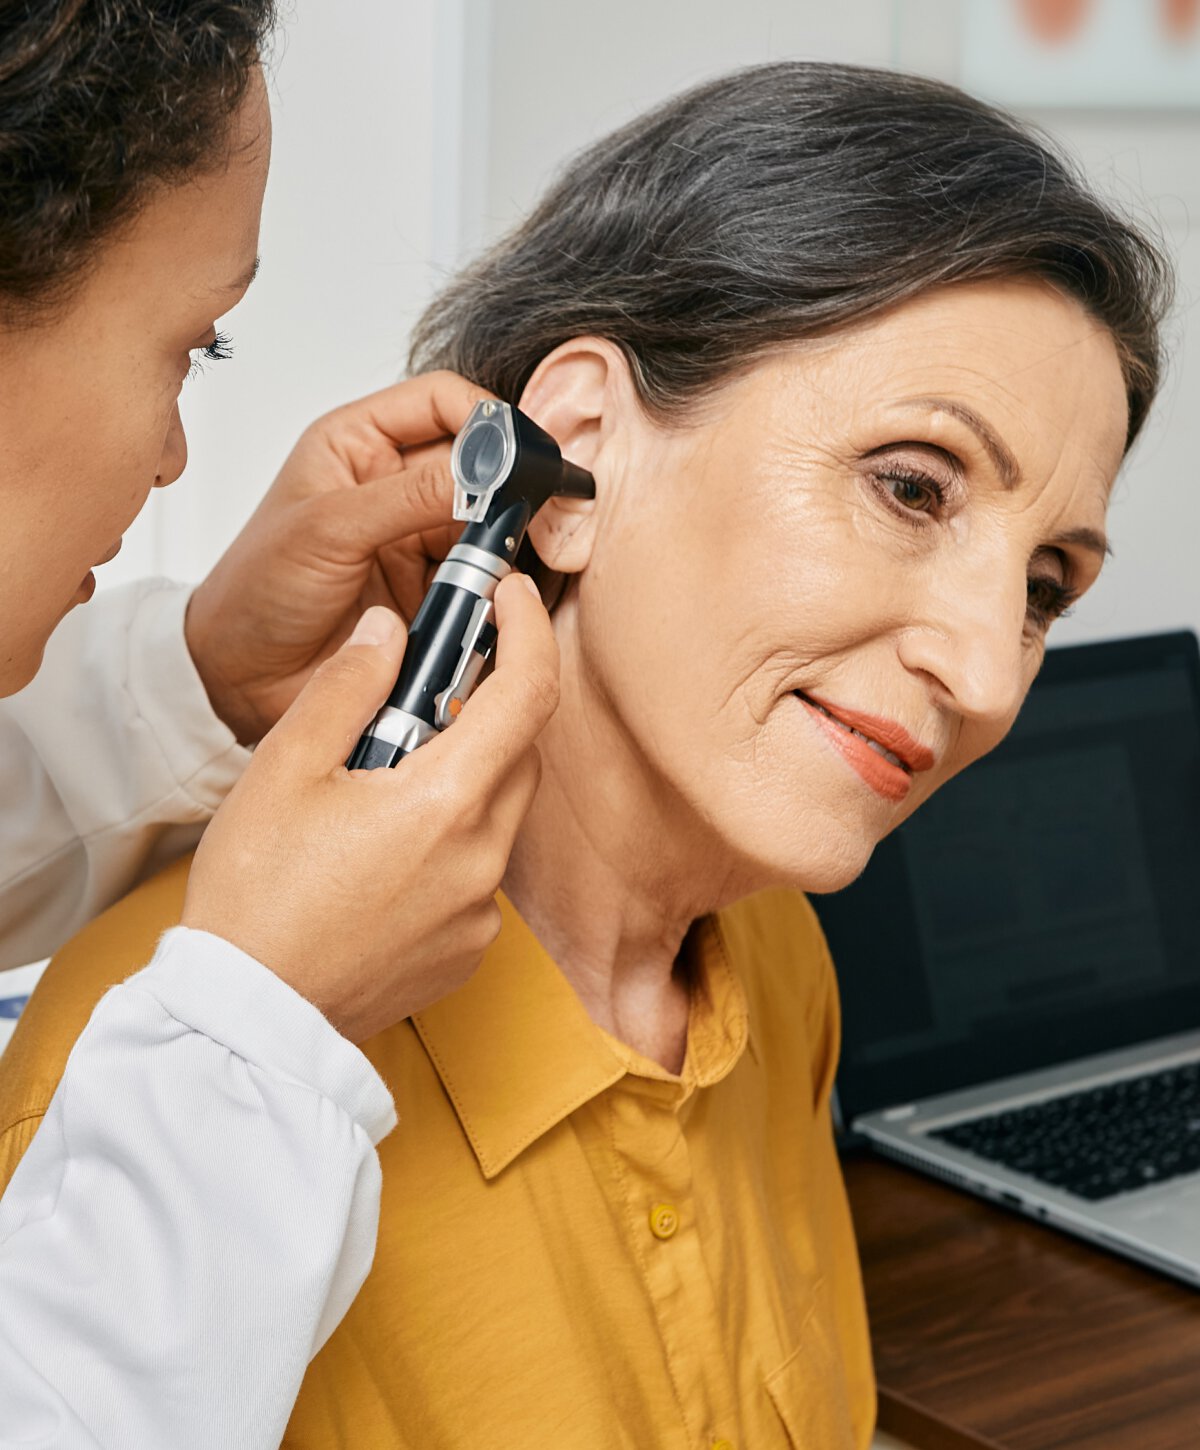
<point x="574" y="394"/>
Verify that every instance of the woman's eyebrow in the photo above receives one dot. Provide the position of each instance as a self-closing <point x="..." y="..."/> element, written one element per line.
<point x="1006" y="465"/>
<point x="997" y="450"/>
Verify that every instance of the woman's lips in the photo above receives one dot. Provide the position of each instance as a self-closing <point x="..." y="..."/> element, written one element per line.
<point x="882" y="752"/>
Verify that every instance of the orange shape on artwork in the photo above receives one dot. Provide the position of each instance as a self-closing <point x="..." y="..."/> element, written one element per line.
<point x="1179" y="17"/>
<point x="1054" y="21"/>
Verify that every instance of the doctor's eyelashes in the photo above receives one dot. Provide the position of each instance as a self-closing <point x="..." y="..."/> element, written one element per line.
<point x="220" y="349"/>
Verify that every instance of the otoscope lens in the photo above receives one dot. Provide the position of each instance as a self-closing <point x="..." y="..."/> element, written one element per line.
<point x="481" y="455"/>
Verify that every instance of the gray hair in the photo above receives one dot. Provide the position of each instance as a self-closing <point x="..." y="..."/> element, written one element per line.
<point x="780" y="203"/>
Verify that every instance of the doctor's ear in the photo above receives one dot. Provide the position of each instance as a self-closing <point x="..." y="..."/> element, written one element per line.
<point x="577" y="394"/>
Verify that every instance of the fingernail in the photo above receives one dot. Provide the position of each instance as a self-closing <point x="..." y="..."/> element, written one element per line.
<point x="377" y="626"/>
<point x="531" y="586"/>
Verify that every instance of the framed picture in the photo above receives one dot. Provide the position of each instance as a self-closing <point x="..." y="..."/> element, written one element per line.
<point x="1083" y="53"/>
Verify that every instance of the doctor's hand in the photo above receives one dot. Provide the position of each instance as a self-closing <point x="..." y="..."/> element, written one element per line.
<point x="358" y="515"/>
<point x="371" y="892"/>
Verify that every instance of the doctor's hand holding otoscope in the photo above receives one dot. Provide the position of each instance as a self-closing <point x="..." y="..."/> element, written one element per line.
<point x="480" y="654"/>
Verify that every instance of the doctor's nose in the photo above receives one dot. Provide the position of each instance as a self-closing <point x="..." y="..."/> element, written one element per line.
<point x="173" y="459"/>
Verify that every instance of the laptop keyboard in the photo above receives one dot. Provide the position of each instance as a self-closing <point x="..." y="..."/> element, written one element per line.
<point x="1099" y="1143"/>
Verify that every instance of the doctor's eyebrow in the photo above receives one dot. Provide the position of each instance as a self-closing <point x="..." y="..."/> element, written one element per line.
<point x="239" y="284"/>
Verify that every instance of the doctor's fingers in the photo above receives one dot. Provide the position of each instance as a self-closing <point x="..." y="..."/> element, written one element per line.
<point x="417" y="410"/>
<point x="511" y="708"/>
<point x="352" y="525"/>
<point x="484" y="748"/>
<point x="323" y="723"/>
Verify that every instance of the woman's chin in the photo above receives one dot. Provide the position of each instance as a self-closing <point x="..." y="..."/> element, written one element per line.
<point x="822" y="877"/>
<point x="836" y="863"/>
<point x="825" y="880"/>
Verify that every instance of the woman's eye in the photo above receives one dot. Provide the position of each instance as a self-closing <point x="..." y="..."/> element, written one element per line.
<point x="1046" y="600"/>
<point x="913" y="493"/>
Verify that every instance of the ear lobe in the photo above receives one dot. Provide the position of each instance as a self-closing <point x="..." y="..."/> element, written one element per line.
<point x="563" y="532"/>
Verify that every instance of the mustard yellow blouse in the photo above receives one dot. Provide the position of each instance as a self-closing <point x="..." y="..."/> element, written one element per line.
<point x="577" y="1249"/>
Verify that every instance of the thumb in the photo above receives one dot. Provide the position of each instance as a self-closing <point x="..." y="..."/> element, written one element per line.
<point x="325" y="720"/>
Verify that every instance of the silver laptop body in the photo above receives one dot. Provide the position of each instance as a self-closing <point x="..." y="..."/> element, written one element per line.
<point x="1158" y="1224"/>
<point x="1045" y="918"/>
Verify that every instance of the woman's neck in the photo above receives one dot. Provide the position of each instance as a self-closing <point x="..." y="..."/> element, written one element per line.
<point x="609" y="873"/>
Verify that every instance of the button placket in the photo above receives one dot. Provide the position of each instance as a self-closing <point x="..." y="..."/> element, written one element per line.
<point x="657" y="1169"/>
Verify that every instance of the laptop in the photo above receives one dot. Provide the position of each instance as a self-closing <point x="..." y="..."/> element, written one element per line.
<point x="1020" y="962"/>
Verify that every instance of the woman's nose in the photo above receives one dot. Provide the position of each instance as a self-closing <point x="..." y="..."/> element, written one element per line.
<point x="972" y="647"/>
<point x="173" y="459"/>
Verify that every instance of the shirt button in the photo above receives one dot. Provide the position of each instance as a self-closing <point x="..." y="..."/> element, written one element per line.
<point x="723" y="1445"/>
<point x="663" y="1222"/>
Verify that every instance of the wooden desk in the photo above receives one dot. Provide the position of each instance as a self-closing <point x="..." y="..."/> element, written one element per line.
<point x="993" y="1333"/>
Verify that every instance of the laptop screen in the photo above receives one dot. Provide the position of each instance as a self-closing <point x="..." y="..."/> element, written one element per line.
<point x="1044" y="905"/>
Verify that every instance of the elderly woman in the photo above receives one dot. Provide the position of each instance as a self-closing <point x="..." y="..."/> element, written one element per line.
<point x="855" y="361"/>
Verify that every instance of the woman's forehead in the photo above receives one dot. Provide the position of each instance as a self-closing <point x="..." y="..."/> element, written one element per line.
<point x="1032" y="370"/>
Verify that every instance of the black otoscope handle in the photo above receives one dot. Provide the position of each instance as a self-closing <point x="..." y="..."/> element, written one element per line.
<point x="453" y="635"/>
<point x="432" y="656"/>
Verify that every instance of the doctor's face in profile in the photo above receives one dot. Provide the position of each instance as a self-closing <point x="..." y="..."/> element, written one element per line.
<point x="809" y="608"/>
<point x="89" y="395"/>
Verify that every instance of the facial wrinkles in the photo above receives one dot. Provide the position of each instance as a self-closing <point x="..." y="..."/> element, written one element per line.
<point x="811" y="497"/>
<point x="804" y="508"/>
<point x="801" y="495"/>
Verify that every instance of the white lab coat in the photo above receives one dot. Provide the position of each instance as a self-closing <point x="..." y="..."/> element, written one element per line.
<point x="200" y="1204"/>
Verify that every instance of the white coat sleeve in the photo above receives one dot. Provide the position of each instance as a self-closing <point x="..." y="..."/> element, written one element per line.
<point x="193" y="1217"/>
<point x="111" y="763"/>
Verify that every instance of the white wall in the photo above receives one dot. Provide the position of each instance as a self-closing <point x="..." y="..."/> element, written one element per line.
<point x="563" y="74"/>
<point x="355" y="217"/>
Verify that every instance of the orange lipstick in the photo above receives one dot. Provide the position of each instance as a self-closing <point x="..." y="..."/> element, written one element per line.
<point x="880" y="751"/>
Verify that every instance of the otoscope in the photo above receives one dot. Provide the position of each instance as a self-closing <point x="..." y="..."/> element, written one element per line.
<point x="505" y="468"/>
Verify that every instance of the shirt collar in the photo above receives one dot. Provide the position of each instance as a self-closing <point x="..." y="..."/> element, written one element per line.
<point x="517" y="1052"/>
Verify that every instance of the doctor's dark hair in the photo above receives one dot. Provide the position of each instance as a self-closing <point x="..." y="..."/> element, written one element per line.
<point x="100" y="101"/>
<point x="781" y="203"/>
